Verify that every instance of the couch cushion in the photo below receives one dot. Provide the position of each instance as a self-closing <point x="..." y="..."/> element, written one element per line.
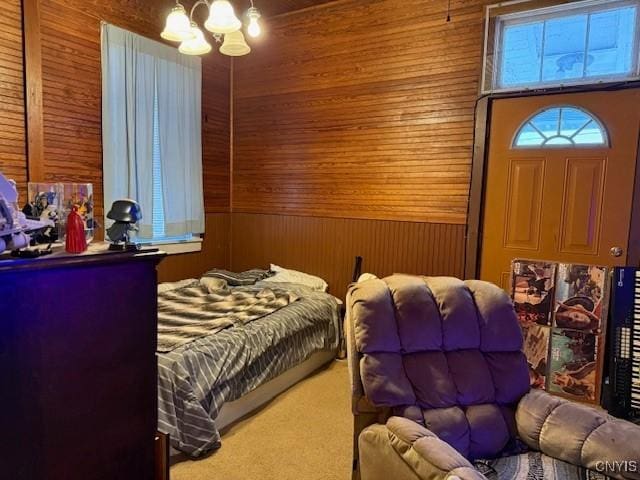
<point x="453" y="350"/>
<point x="579" y="434"/>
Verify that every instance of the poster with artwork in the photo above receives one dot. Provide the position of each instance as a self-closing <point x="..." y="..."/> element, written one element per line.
<point x="536" y="350"/>
<point x="581" y="297"/>
<point x="573" y="369"/>
<point x="533" y="291"/>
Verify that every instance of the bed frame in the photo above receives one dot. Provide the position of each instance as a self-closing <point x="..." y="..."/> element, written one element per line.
<point x="235" y="410"/>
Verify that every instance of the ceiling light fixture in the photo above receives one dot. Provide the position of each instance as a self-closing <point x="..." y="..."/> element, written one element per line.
<point x="253" y="29"/>
<point x="197" y="45"/>
<point x="222" y="22"/>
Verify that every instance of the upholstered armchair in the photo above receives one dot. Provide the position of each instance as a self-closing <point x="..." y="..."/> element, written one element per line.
<point x="439" y="382"/>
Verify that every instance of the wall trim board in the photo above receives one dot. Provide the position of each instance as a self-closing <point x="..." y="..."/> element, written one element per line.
<point x="476" y="192"/>
<point x="34" y="116"/>
<point x="13" y="141"/>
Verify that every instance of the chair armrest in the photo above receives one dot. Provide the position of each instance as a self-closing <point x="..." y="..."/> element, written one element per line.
<point x="579" y="434"/>
<point x="403" y="449"/>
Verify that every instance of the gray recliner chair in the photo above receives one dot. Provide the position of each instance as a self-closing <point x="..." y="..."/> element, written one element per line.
<point x="439" y="381"/>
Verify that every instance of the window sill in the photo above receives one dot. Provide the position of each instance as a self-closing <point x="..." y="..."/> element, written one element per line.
<point x="176" y="248"/>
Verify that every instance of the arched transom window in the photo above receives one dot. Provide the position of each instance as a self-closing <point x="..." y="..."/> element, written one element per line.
<point x="561" y="126"/>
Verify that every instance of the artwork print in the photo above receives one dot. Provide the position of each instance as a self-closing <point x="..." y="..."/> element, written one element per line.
<point x="536" y="350"/>
<point x="573" y="368"/>
<point x="581" y="297"/>
<point x="533" y="291"/>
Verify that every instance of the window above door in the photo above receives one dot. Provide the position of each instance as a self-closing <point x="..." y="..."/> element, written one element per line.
<point x="575" y="43"/>
<point x="561" y="127"/>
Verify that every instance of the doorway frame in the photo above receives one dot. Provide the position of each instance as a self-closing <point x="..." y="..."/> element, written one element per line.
<point x="476" y="201"/>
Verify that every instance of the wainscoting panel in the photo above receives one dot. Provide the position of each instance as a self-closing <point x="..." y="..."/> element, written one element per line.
<point x="327" y="246"/>
<point x="13" y="158"/>
<point x="214" y="254"/>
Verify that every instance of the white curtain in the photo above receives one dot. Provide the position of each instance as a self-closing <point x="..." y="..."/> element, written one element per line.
<point x="134" y="68"/>
<point x="179" y="120"/>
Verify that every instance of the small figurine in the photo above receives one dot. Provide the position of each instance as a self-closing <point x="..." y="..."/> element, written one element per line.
<point x="126" y="214"/>
<point x="75" y="242"/>
<point x="14" y="225"/>
<point x="43" y="208"/>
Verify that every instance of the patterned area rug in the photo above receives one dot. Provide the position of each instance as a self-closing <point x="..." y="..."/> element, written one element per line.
<point x="534" y="466"/>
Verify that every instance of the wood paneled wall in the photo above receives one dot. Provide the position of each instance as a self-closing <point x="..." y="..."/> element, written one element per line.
<point x="61" y="50"/>
<point x="271" y="8"/>
<point x="71" y="84"/>
<point x="353" y="135"/>
<point x="215" y="252"/>
<point x="13" y="157"/>
<point x="327" y="246"/>
<point x="354" y="111"/>
<point x="361" y="110"/>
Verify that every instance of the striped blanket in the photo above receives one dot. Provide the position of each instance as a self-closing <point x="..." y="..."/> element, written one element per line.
<point x="197" y="379"/>
<point x="192" y="312"/>
<point x="534" y="466"/>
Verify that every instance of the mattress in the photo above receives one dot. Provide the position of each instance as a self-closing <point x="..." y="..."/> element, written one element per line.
<point x="195" y="380"/>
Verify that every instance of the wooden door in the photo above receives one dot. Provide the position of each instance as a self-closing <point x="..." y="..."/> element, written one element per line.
<point x="563" y="196"/>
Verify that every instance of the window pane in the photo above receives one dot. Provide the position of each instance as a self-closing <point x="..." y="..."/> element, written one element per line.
<point x="529" y="136"/>
<point x="158" y="206"/>
<point x="611" y="37"/>
<point x="547" y="122"/>
<point x="564" y="46"/>
<point x="559" y="141"/>
<point x="590" y="135"/>
<point x="569" y="45"/>
<point x="560" y="126"/>
<point x="521" y="54"/>
<point x="157" y="215"/>
<point x="572" y="120"/>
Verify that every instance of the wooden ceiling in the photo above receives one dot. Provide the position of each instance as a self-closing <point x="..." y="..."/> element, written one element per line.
<point x="270" y="8"/>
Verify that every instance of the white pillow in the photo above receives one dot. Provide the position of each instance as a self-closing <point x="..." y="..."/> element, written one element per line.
<point x="293" y="276"/>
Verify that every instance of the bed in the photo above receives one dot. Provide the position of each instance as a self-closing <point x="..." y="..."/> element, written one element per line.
<point x="206" y="384"/>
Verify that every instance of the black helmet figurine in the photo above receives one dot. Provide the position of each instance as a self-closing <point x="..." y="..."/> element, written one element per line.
<point x="126" y="214"/>
<point x="125" y="211"/>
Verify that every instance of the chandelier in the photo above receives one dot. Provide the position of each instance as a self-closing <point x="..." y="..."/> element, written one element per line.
<point x="222" y="22"/>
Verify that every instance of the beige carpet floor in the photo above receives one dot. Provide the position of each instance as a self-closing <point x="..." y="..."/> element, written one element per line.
<point x="303" y="434"/>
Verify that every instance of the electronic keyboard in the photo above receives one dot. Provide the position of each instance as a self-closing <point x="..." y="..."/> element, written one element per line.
<point x="622" y="382"/>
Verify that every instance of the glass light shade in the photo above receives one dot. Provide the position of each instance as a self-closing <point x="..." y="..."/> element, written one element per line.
<point x="234" y="44"/>
<point x="197" y="45"/>
<point x="253" y="29"/>
<point x="222" y="19"/>
<point x="178" y="26"/>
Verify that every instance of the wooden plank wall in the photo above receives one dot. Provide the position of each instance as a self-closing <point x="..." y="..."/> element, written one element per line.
<point x="327" y="246"/>
<point x="358" y="110"/>
<point x="65" y="34"/>
<point x="215" y="252"/>
<point x="271" y="8"/>
<point x="13" y="156"/>
<point x="71" y="82"/>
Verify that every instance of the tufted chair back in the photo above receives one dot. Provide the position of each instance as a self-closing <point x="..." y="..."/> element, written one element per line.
<point x="443" y="352"/>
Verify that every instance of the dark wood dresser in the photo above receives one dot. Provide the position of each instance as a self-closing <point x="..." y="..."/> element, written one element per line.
<point x="78" y="367"/>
